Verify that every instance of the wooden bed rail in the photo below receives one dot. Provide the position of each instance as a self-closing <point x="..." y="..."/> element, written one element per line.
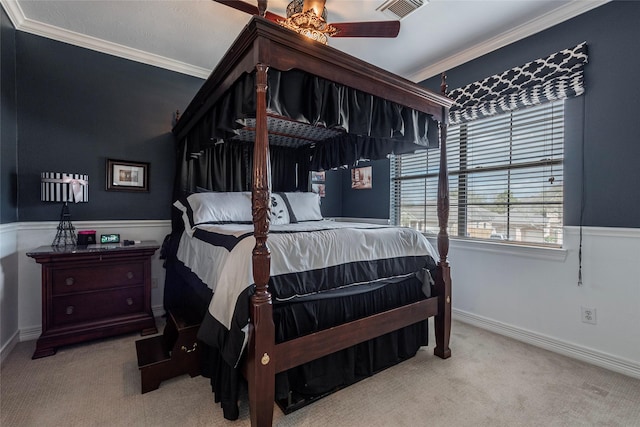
<point x="310" y="347"/>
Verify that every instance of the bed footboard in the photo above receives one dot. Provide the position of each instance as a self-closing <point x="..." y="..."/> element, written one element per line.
<point x="265" y="358"/>
<point x="313" y="346"/>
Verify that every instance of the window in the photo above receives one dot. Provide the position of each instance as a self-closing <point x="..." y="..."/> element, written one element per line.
<point x="505" y="179"/>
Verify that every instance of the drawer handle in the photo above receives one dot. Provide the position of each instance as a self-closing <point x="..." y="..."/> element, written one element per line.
<point x="186" y="350"/>
<point x="129" y="301"/>
<point x="69" y="281"/>
<point x="69" y="309"/>
<point x="129" y="275"/>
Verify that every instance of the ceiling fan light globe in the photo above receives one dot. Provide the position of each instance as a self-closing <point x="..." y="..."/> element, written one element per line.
<point x="317" y="6"/>
<point x="302" y="17"/>
<point x="301" y="6"/>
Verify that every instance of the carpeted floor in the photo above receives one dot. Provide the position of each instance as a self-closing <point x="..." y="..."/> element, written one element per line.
<point x="489" y="381"/>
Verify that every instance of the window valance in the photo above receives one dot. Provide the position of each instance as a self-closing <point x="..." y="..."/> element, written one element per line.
<point x="558" y="76"/>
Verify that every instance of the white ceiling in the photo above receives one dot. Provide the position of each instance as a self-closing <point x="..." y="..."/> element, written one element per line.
<point x="190" y="36"/>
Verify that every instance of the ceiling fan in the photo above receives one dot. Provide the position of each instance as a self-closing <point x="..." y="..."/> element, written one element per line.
<point x="308" y="17"/>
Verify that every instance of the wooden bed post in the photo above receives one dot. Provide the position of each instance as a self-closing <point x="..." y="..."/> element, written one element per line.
<point x="260" y="367"/>
<point x="443" y="281"/>
<point x="262" y="7"/>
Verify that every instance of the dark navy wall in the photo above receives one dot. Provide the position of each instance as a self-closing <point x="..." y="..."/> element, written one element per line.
<point x="332" y="203"/>
<point x="77" y="108"/>
<point x="8" y="123"/>
<point x="604" y="121"/>
<point x="343" y="201"/>
<point x="371" y="203"/>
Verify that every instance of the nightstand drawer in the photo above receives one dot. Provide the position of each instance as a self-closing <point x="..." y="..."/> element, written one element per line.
<point x="94" y="292"/>
<point x="96" y="305"/>
<point x="97" y="277"/>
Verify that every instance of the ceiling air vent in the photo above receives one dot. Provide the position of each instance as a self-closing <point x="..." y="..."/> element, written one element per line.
<point x="398" y="9"/>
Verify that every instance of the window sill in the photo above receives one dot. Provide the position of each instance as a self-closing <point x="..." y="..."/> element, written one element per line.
<point x="538" y="252"/>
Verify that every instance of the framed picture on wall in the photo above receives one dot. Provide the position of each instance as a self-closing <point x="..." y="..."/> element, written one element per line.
<point x="361" y="178"/>
<point x="317" y="176"/>
<point x="319" y="189"/>
<point x="127" y="176"/>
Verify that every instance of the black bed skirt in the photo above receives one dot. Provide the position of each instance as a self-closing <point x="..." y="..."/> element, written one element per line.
<point x="310" y="381"/>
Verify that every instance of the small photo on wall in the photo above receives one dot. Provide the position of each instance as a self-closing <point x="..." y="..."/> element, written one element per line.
<point x="361" y="178"/>
<point x="317" y="176"/>
<point x="127" y="176"/>
<point x="318" y="189"/>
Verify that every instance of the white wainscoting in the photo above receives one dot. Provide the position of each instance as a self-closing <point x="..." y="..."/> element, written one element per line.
<point x="9" y="285"/>
<point x="20" y="277"/>
<point x="527" y="293"/>
<point x="533" y="295"/>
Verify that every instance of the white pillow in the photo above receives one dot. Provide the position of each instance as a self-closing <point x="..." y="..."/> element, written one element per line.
<point x="303" y="206"/>
<point x="279" y="210"/>
<point x="215" y="208"/>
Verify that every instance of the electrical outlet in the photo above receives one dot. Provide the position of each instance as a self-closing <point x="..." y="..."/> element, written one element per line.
<point x="154" y="282"/>
<point x="588" y="315"/>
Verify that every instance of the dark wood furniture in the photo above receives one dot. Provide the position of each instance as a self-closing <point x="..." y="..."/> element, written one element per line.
<point x="173" y="353"/>
<point x="262" y="46"/>
<point x="93" y="292"/>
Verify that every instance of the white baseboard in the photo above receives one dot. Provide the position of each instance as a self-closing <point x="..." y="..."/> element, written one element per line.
<point x="158" y="311"/>
<point x="30" y="333"/>
<point x="8" y="347"/>
<point x="607" y="361"/>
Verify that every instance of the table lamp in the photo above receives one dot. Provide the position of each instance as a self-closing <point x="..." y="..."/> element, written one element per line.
<point x="64" y="187"/>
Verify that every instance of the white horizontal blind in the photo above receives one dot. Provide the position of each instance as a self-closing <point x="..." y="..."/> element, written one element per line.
<point x="505" y="177"/>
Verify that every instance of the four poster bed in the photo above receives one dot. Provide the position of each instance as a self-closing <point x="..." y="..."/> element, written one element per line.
<point x="277" y="107"/>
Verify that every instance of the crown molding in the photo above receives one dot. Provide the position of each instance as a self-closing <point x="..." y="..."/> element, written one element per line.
<point x="548" y="20"/>
<point x="561" y="14"/>
<point x="14" y="11"/>
<point x="22" y="23"/>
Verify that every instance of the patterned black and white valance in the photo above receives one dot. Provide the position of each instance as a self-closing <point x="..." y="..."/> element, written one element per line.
<point x="555" y="77"/>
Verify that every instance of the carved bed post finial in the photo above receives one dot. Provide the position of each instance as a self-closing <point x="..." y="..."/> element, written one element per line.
<point x="262" y="7"/>
<point x="177" y="115"/>
<point x="442" y="320"/>
<point x="443" y="196"/>
<point x="261" y="189"/>
<point x="443" y="84"/>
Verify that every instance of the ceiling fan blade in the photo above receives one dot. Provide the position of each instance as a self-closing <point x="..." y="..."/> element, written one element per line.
<point x="273" y="17"/>
<point x="367" y="29"/>
<point x="249" y="8"/>
<point x="240" y="5"/>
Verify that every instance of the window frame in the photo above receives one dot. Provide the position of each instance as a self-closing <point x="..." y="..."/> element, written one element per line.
<point x="459" y="218"/>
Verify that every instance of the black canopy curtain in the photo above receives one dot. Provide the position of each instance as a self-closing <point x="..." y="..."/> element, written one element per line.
<point x="216" y="154"/>
<point x="367" y="127"/>
<point x="227" y="167"/>
<point x="304" y="98"/>
<point x="558" y="76"/>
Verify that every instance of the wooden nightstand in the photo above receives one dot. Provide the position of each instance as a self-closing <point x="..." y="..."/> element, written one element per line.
<point x="94" y="292"/>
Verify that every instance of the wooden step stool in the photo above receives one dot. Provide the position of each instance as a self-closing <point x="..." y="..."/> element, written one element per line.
<point x="173" y="353"/>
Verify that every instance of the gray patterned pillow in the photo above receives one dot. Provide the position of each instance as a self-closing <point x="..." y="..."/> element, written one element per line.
<point x="279" y="211"/>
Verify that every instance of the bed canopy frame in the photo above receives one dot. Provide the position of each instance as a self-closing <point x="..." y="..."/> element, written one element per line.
<point x="263" y="46"/>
